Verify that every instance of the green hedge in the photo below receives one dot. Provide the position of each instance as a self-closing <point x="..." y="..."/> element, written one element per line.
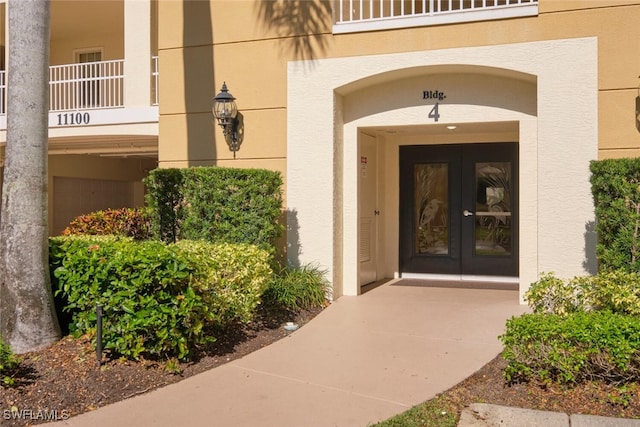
<point x="158" y="299"/>
<point x="572" y="348"/>
<point x="615" y="185"/>
<point x="216" y="204"/>
<point x="165" y="201"/>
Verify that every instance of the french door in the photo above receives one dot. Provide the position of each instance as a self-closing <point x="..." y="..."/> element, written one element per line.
<point x="459" y="209"/>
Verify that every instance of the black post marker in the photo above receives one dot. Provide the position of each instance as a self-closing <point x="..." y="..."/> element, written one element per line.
<point x="99" y="333"/>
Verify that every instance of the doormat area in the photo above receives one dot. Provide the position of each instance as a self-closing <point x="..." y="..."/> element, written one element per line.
<point x="459" y="284"/>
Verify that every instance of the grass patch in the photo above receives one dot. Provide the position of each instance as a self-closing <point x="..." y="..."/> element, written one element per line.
<point x="437" y="412"/>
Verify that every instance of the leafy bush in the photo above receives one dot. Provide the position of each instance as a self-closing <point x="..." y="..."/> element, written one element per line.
<point x="615" y="185"/>
<point x="8" y="362"/>
<point x="298" y="288"/>
<point x="572" y="348"/>
<point x="165" y="201"/>
<point x="216" y="204"/>
<point x="157" y="299"/>
<point x="232" y="277"/>
<point x="550" y="294"/>
<point x="615" y="291"/>
<point x="122" y="222"/>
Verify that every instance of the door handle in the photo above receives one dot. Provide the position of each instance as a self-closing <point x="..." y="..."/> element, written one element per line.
<point x="467" y="213"/>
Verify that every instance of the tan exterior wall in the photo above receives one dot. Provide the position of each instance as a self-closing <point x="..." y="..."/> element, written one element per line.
<point x="253" y="44"/>
<point x="277" y="67"/>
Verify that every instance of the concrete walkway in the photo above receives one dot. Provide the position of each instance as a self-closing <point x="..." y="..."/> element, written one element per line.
<point x="361" y="360"/>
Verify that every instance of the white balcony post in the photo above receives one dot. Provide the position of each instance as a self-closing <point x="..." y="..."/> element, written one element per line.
<point x="137" y="53"/>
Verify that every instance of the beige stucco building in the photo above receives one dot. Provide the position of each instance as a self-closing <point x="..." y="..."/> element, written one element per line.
<point x="448" y="139"/>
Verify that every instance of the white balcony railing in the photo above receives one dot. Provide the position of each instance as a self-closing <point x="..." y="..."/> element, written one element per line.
<point x="86" y="86"/>
<point x="93" y="85"/>
<point x="363" y="15"/>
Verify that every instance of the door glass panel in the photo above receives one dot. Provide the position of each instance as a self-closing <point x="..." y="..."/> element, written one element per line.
<point x="493" y="209"/>
<point x="431" y="208"/>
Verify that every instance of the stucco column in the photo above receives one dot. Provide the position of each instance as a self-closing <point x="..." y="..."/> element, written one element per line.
<point x="137" y="53"/>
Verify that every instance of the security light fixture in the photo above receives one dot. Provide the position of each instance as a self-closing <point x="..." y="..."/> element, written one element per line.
<point x="224" y="109"/>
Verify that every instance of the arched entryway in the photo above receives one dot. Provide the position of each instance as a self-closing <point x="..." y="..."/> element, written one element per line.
<point x="447" y="191"/>
<point x="522" y="94"/>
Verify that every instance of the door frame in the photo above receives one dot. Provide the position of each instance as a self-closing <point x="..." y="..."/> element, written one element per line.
<point x="460" y="258"/>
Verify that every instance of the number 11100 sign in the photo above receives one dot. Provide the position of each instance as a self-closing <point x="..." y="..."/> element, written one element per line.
<point x="70" y="119"/>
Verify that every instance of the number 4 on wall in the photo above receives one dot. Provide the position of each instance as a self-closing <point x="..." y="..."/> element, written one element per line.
<point x="433" y="114"/>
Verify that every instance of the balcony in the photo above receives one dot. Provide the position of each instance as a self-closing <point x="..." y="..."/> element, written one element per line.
<point x="90" y="94"/>
<point x="371" y="15"/>
<point x="92" y="85"/>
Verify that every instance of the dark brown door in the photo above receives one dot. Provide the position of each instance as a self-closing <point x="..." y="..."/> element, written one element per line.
<point x="458" y="209"/>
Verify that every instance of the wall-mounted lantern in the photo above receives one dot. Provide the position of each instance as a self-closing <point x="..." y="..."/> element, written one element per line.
<point x="224" y="109"/>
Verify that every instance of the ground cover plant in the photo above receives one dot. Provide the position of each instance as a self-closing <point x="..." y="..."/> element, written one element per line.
<point x="8" y="363"/>
<point x="298" y="288"/>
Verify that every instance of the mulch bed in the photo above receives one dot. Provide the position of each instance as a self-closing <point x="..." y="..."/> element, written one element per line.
<point x="590" y="398"/>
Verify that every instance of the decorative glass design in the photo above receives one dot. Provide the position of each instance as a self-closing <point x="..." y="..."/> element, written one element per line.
<point x="431" y="208"/>
<point x="493" y="209"/>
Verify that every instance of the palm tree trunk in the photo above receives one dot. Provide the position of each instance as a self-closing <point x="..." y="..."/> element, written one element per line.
<point x="27" y="314"/>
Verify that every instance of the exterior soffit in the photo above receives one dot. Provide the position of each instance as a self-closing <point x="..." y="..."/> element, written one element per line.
<point x="113" y="145"/>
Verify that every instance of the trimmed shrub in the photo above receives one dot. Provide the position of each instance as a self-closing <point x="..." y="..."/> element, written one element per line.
<point x="298" y="288"/>
<point x="572" y="348"/>
<point x="615" y="291"/>
<point x="216" y="204"/>
<point x="615" y="185"/>
<point x="158" y="299"/>
<point x="232" y="277"/>
<point x="122" y="222"/>
<point x="165" y="201"/>
<point x="550" y="294"/>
